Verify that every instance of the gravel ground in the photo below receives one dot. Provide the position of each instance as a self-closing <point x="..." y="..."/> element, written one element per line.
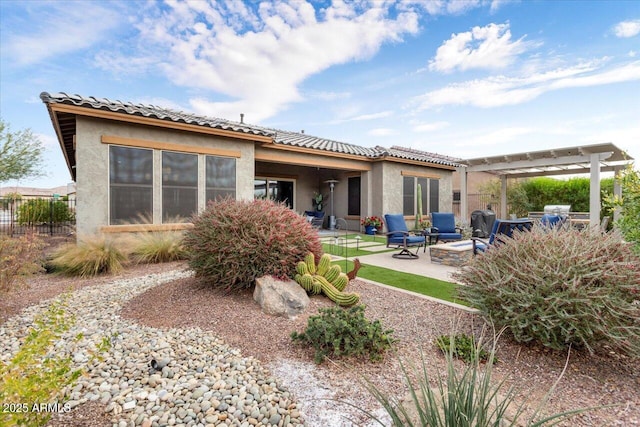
<point x="590" y="380"/>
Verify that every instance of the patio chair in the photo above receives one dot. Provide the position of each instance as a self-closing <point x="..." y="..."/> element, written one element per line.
<point x="443" y="225"/>
<point x="501" y="228"/>
<point x="400" y="237"/>
<point x="315" y="218"/>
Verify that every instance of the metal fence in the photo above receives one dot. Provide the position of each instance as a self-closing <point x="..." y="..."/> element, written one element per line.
<point x="49" y="216"/>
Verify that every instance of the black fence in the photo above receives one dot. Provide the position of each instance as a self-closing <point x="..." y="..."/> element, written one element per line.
<point x="49" y="216"/>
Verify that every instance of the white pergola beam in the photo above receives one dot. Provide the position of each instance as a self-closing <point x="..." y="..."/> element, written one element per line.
<point x="540" y="162"/>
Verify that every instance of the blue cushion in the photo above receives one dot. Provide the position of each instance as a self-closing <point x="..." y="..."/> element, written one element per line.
<point x="445" y="222"/>
<point x="449" y="236"/>
<point x="395" y="222"/>
<point x="411" y="240"/>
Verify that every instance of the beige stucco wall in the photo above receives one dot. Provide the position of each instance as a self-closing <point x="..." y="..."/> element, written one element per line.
<point x="391" y="181"/>
<point x="92" y="159"/>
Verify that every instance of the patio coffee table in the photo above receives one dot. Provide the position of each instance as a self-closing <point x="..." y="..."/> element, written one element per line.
<point x="454" y="253"/>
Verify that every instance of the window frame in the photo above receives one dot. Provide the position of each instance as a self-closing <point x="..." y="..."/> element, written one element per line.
<point x="349" y="196"/>
<point x="432" y="193"/>
<point x="140" y="216"/>
<point x="225" y="190"/>
<point x="177" y="189"/>
<point x="274" y="179"/>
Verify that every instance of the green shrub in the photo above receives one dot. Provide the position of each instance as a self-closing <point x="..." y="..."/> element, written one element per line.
<point x="463" y="347"/>
<point x="559" y="288"/>
<point x="35" y="374"/>
<point x="19" y="256"/>
<point x="157" y="247"/>
<point x="234" y="242"/>
<point x="461" y="398"/>
<point x="629" y="204"/>
<point x="88" y="258"/>
<point x="41" y="210"/>
<point x="338" y="332"/>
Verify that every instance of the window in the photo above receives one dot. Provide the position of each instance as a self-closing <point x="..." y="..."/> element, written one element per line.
<point x="130" y="185"/>
<point x="429" y="190"/>
<point x="353" y="207"/>
<point x="221" y="177"/>
<point x="179" y="186"/>
<point x="278" y="190"/>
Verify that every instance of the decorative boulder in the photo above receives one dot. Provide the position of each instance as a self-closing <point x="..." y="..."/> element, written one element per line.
<point x="280" y="297"/>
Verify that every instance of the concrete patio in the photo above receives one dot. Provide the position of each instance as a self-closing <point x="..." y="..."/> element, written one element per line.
<point x="421" y="266"/>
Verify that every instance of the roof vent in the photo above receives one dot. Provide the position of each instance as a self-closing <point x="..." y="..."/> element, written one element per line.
<point x="241" y="117"/>
<point x="302" y="131"/>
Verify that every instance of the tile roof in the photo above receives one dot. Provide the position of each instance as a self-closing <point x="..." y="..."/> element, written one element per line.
<point x="150" y="111"/>
<point x="423" y="156"/>
<point x="288" y="138"/>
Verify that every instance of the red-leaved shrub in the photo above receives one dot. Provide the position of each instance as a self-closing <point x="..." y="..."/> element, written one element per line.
<point x="233" y="242"/>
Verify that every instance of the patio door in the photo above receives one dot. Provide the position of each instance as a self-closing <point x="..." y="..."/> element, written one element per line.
<point x="276" y="189"/>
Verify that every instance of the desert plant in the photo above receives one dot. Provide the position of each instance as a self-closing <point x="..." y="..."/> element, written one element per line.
<point x="89" y="257"/>
<point x="338" y="332"/>
<point x="234" y="242"/>
<point x="19" y="256"/>
<point x="35" y="375"/>
<point x="157" y="247"/>
<point x="463" y="346"/>
<point x="324" y="278"/>
<point x="629" y="204"/>
<point x="559" y="288"/>
<point x="464" y="397"/>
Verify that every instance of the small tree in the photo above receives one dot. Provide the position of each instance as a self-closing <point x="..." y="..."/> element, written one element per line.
<point x="20" y="154"/>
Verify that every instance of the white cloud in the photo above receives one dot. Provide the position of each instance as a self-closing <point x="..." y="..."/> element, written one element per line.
<point x="328" y="95"/>
<point x="48" y="141"/>
<point x="58" y="28"/>
<point x="381" y="132"/>
<point x="372" y="116"/>
<point x="626" y="29"/>
<point x="501" y="90"/>
<point x="259" y="58"/>
<point x="430" y="127"/>
<point x="488" y="47"/>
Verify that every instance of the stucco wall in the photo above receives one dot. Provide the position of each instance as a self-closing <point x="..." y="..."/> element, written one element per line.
<point x="93" y="166"/>
<point x="390" y="176"/>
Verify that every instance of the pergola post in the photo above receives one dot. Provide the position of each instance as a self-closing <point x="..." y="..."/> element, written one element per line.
<point x="463" y="194"/>
<point x="594" y="190"/>
<point x="503" y="196"/>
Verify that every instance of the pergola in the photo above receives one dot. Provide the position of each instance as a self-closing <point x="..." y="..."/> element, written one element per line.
<point x="591" y="159"/>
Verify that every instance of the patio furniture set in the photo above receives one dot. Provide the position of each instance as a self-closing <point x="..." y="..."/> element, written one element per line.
<point x="455" y="251"/>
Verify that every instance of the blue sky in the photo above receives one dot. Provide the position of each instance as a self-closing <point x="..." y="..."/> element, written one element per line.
<point x="460" y="78"/>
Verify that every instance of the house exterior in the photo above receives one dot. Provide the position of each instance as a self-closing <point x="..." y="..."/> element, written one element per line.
<point x="141" y="167"/>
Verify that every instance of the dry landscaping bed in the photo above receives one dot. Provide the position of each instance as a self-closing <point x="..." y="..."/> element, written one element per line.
<point x="601" y="379"/>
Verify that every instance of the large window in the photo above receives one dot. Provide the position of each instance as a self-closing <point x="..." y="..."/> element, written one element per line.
<point x="221" y="177"/>
<point x="278" y="190"/>
<point x="353" y="207"/>
<point x="179" y="186"/>
<point x="130" y="185"/>
<point x="429" y="190"/>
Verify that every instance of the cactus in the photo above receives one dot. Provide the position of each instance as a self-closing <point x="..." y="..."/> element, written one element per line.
<point x="301" y="268"/>
<point x="419" y="213"/>
<point x="341" y="282"/>
<point x="311" y="263"/>
<point x="324" y="265"/>
<point x="325" y="278"/>
<point x="333" y="273"/>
